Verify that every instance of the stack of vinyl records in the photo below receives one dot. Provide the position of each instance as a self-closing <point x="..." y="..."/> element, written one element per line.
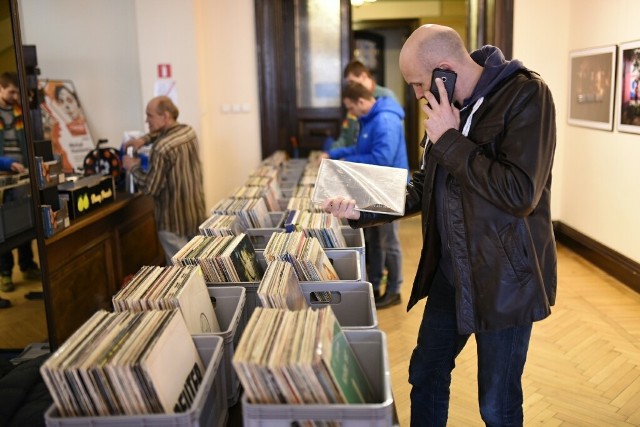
<point x="220" y="225"/>
<point x="299" y="357"/>
<point x="222" y="259"/>
<point x="270" y="182"/>
<point x="307" y="180"/>
<point x="323" y="226"/>
<point x="280" y="288"/>
<point x="305" y="253"/>
<point x="125" y="364"/>
<point x="166" y="288"/>
<point x="303" y="191"/>
<point x="303" y="204"/>
<point x="268" y="194"/>
<point x="277" y="158"/>
<point x="315" y="157"/>
<point x="265" y="170"/>
<point x="253" y="213"/>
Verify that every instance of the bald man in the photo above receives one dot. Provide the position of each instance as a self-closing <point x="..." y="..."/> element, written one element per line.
<point x="174" y="178"/>
<point x="488" y="264"/>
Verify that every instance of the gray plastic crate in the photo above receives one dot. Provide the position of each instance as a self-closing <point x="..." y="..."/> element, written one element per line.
<point x="352" y="302"/>
<point x="370" y="348"/>
<point x="232" y="319"/>
<point x="345" y="261"/>
<point x="209" y="407"/>
<point x="354" y="238"/>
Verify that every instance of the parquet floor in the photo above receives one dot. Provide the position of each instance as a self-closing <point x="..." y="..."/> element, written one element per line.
<point x="583" y="366"/>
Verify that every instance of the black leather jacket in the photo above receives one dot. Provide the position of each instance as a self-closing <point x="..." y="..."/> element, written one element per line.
<point x="497" y="198"/>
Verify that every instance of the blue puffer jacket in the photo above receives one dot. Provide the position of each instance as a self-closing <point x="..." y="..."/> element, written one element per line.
<point x="381" y="138"/>
<point x="5" y="163"/>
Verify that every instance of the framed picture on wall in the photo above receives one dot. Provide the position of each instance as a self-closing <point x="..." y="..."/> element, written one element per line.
<point x="628" y="104"/>
<point x="64" y="123"/>
<point x="591" y="85"/>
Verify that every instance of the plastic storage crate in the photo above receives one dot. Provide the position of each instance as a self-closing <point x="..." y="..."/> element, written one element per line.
<point x="352" y="302"/>
<point x="370" y="348"/>
<point x="354" y="238"/>
<point x="209" y="407"/>
<point x="232" y="318"/>
<point x="346" y="263"/>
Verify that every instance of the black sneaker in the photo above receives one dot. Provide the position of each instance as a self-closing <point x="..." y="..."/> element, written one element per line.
<point x="376" y="295"/>
<point x="388" y="300"/>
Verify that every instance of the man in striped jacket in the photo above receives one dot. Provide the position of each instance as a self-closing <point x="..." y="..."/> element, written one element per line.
<point x="174" y="177"/>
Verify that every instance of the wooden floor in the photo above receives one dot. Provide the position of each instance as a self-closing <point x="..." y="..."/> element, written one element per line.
<point x="583" y="365"/>
<point x="24" y="322"/>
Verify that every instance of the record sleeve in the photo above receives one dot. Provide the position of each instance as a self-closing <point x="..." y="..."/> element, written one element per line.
<point x="379" y="189"/>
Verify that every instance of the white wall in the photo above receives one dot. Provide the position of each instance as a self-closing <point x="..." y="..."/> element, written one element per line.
<point x="92" y="43"/>
<point x="543" y="52"/>
<point x="228" y="80"/>
<point x="111" y="50"/>
<point x="597" y="173"/>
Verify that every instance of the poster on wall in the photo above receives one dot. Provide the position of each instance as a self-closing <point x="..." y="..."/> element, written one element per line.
<point x="628" y="111"/>
<point x="64" y="123"/>
<point x="592" y="79"/>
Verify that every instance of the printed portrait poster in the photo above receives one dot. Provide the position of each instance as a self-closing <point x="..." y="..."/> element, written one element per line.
<point x="64" y="123"/>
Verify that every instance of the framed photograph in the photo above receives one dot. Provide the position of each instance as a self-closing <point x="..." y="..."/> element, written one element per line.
<point x="628" y="105"/>
<point x="592" y="82"/>
<point x="64" y="123"/>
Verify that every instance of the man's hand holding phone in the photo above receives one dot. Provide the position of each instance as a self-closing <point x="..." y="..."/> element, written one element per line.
<point x="441" y="115"/>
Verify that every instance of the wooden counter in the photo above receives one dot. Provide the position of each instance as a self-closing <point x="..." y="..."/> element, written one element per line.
<point x="85" y="264"/>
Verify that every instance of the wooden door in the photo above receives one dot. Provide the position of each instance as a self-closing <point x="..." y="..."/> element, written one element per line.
<point x="304" y="46"/>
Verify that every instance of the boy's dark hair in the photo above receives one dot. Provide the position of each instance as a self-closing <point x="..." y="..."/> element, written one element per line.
<point x="355" y="91"/>
<point x="9" y="78"/>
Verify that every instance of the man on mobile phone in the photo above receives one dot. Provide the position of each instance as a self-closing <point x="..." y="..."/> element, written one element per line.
<point x="488" y="263"/>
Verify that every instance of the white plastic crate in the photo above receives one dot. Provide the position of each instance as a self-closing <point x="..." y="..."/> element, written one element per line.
<point x="232" y="318"/>
<point x="352" y="302"/>
<point x="209" y="406"/>
<point x="370" y="348"/>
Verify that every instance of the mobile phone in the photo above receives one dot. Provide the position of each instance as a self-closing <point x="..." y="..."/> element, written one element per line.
<point x="448" y="78"/>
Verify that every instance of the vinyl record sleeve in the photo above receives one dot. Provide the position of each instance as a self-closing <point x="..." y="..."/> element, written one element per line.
<point x="379" y="189"/>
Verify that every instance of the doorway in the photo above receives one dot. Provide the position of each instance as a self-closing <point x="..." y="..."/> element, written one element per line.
<point x="377" y="44"/>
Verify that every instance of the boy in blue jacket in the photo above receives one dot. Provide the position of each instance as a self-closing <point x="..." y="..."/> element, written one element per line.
<point x="380" y="142"/>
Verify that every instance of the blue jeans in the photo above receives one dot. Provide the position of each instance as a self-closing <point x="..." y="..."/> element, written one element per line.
<point x="171" y="243"/>
<point x="383" y="249"/>
<point x="501" y="358"/>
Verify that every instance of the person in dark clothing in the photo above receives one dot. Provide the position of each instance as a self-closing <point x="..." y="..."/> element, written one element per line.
<point x="13" y="145"/>
<point x="488" y="263"/>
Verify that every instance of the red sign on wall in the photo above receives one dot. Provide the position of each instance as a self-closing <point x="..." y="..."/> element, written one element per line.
<point x="164" y="71"/>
